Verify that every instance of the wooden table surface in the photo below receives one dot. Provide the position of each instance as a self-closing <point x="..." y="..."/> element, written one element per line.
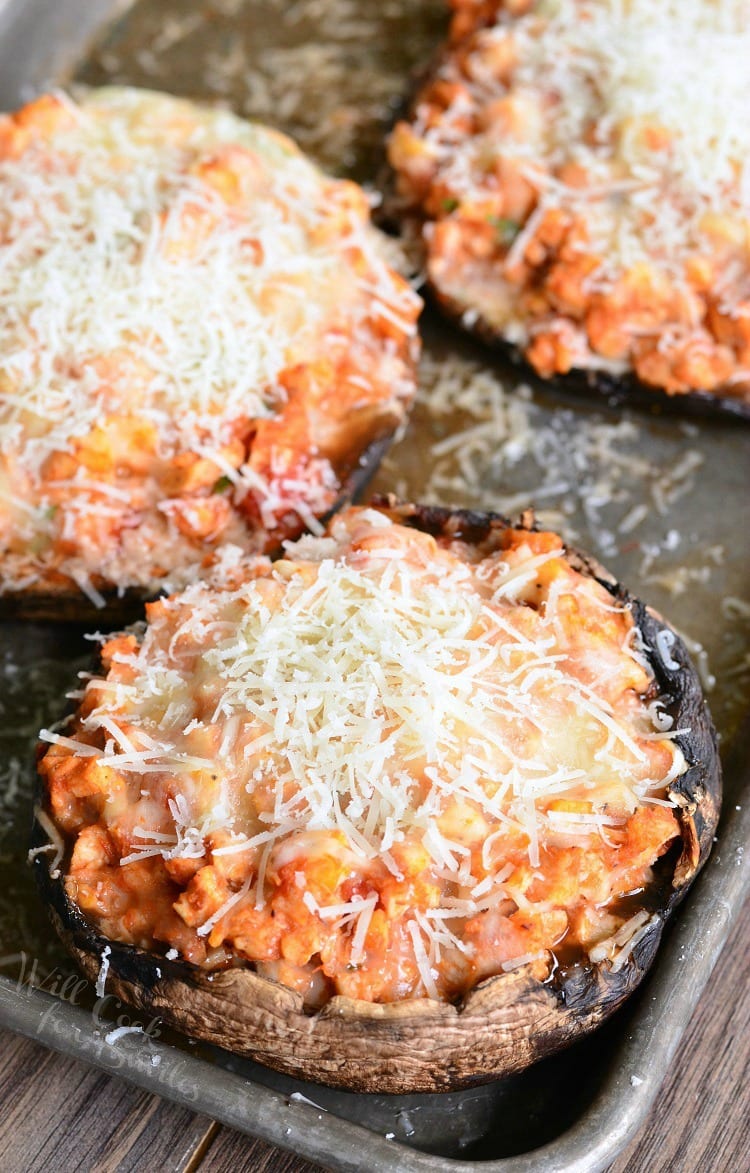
<point x="59" y="1116"/>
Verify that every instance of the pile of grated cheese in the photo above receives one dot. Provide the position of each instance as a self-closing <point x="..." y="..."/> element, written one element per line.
<point x="371" y="685"/>
<point x="602" y="80"/>
<point x="582" y="168"/>
<point x="129" y="287"/>
<point x="620" y="66"/>
<point x="92" y="228"/>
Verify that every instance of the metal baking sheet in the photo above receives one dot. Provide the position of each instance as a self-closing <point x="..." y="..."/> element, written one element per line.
<point x="659" y="500"/>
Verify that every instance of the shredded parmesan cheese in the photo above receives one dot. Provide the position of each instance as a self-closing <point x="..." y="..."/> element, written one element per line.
<point x="119" y="1032"/>
<point x="664" y="642"/>
<point x="56" y="844"/>
<point x="379" y="707"/>
<point x="101" y="980"/>
<point x="581" y="167"/>
<point x="169" y="276"/>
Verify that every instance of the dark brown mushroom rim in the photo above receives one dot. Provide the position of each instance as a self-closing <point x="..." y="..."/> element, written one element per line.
<point x="66" y="603"/>
<point x="501" y="1026"/>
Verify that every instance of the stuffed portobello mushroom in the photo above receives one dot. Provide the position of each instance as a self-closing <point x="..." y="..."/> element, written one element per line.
<point x="403" y="811"/>
<point x="578" y="171"/>
<point x="201" y="343"/>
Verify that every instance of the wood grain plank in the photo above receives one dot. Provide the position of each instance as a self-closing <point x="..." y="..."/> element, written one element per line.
<point x="59" y="1115"/>
<point x="231" y="1152"/>
<point x="702" y="1116"/>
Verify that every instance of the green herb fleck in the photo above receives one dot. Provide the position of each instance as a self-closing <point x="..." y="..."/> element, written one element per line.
<point x="506" y="230"/>
<point x="449" y="204"/>
<point x="221" y="485"/>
